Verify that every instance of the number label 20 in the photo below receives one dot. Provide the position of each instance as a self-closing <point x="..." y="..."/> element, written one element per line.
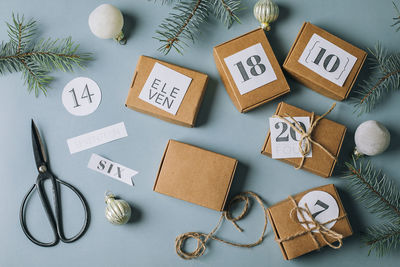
<point x="285" y="138"/>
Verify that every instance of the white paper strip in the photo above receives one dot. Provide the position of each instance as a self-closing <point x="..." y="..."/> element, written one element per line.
<point x="111" y="169"/>
<point x="96" y="138"/>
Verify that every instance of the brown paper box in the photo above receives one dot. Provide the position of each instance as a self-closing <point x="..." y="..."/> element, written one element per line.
<point x="284" y="226"/>
<point x="187" y="112"/>
<point x="327" y="133"/>
<point x="195" y="175"/>
<point x="313" y="80"/>
<point x="260" y="95"/>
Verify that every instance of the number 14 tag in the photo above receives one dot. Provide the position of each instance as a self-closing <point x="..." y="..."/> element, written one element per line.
<point x="284" y="139"/>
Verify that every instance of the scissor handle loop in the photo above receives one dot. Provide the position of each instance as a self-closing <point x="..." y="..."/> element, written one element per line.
<point x="25" y="228"/>
<point x="86" y="211"/>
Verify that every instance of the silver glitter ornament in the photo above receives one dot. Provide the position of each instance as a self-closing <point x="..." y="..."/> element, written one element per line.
<point x="117" y="211"/>
<point x="266" y="11"/>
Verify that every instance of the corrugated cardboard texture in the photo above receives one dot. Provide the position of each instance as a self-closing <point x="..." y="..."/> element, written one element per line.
<point x="187" y="112"/>
<point x="196" y="175"/>
<point x="311" y="79"/>
<point x="284" y="226"/>
<point x="260" y="95"/>
<point x="327" y="133"/>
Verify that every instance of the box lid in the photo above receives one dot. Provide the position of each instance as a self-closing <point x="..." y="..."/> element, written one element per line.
<point x="195" y="175"/>
<point x="262" y="94"/>
<point x="187" y="112"/>
<point x="328" y="133"/>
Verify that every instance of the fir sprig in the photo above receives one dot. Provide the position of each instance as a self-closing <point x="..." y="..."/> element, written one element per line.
<point x="380" y="196"/>
<point x="184" y="23"/>
<point x="397" y="18"/>
<point x="384" y="79"/>
<point x="37" y="60"/>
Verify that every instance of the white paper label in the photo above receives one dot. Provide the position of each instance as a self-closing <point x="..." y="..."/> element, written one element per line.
<point x="250" y="68"/>
<point x="81" y="96"/>
<point x="165" y="88"/>
<point x="284" y="139"/>
<point x="327" y="59"/>
<point x="98" y="137"/>
<point x="111" y="169"/>
<point x="323" y="208"/>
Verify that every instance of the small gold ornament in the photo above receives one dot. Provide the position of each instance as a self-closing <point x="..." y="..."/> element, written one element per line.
<point x="266" y="11"/>
<point x="117" y="211"/>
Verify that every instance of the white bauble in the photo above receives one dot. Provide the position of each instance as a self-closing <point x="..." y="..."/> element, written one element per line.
<point x="266" y="11"/>
<point x="117" y="211"/>
<point x="106" y="22"/>
<point x="371" y="138"/>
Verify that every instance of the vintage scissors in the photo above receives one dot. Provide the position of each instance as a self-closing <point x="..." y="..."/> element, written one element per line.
<point x="45" y="174"/>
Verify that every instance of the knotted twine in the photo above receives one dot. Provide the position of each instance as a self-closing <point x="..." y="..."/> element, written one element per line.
<point x="318" y="227"/>
<point x="203" y="238"/>
<point x="305" y="136"/>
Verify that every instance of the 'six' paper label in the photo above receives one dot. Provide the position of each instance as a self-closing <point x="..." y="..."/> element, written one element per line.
<point x="165" y="88"/>
<point x="284" y="139"/>
<point x="111" y="169"/>
<point x="250" y="68"/>
<point x="327" y="59"/>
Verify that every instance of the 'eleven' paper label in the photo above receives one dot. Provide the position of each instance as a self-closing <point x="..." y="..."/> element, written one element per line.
<point x="165" y="88"/>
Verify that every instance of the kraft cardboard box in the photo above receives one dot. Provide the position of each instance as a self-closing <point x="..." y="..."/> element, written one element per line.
<point x="328" y="133"/>
<point x="324" y="62"/>
<point x="323" y="206"/>
<point x="166" y="91"/>
<point x="195" y="175"/>
<point x="249" y="70"/>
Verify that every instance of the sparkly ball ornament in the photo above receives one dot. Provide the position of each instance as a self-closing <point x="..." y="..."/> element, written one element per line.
<point x="266" y="11"/>
<point x="106" y="22"/>
<point x="371" y="138"/>
<point x="117" y="211"/>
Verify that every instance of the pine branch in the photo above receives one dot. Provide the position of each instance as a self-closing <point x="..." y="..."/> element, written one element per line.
<point x="225" y="11"/>
<point x="378" y="193"/>
<point x="386" y="78"/>
<point x="396" y="19"/>
<point x="36" y="60"/>
<point x="382" y="238"/>
<point x="380" y="196"/>
<point x="184" y="23"/>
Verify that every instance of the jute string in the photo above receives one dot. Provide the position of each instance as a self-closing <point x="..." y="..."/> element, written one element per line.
<point x="203" y="238"/>
<point x="305" y="136"/>
<point x="317" y="226"/>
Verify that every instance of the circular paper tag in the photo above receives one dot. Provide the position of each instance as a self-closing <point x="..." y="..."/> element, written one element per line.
<point x="322" y="206"/>
<point x="81" y="96"/>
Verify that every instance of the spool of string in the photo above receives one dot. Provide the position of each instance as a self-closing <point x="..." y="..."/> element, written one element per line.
<point x="202" y="238"/>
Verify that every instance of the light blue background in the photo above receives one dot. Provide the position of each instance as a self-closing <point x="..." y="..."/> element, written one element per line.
<point x="149" y="239"/>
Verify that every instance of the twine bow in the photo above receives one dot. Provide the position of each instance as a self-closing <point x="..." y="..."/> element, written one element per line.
<point x="318" y="227"/>
<point x="203" y="238"/>
<point x="305" y="136"/>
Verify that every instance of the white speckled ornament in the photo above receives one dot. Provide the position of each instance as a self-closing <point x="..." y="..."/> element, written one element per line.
<point x="371" y="138"/>
<point x="117" y="211"/>
<point x="106" y="22"/>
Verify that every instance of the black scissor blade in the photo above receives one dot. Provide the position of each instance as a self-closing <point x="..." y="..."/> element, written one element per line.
<point x="38" y="148"/>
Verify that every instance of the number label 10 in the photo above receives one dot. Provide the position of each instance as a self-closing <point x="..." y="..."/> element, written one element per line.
<point x="284" y="139"/>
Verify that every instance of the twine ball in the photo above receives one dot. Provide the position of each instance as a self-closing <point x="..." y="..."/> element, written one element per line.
<point x="266" y="11"/>
<point x="371" y="138"/>
<point x="117" y="211"/>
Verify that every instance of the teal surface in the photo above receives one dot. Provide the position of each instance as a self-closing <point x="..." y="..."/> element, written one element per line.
<point x="149" y="239"/>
